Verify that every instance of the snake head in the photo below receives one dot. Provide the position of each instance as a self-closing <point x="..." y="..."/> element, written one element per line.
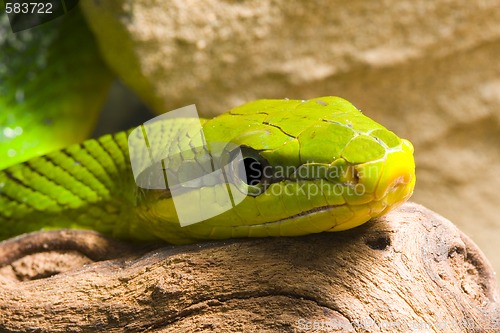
<point x="294" y="167"/>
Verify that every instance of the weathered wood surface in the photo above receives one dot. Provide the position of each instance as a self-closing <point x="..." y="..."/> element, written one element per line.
<point x="409" y="271"/>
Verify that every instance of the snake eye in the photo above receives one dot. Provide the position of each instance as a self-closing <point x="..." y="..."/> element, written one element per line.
<point x="253" y="171"/>
<point x="247" y="170"/>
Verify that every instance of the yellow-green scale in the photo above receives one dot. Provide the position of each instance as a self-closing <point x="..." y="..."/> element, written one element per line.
<point x="87" y="186"/>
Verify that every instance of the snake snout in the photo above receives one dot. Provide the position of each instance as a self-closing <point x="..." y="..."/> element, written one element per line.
<point x="398" y="178"/>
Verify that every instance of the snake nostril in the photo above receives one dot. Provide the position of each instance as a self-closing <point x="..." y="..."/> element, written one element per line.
<point x="355" y="176"/>
<point x="351" y="175"/>
<point x="397" y="183"/>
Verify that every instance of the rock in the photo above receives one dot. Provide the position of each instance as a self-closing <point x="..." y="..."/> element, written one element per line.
<point x="428" y="70"/>
<point x="411" y="269"/>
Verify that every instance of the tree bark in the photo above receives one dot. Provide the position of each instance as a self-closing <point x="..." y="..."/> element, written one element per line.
<point x="411" y="270"/>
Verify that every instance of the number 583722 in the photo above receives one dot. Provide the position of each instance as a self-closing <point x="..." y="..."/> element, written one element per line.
<point x="28" y="8"/>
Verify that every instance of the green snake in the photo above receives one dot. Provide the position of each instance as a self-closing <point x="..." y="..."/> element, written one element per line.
<point x="339" y="169"/>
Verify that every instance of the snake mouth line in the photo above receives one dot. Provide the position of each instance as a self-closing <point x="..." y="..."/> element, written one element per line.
<point x="305" y="213"/>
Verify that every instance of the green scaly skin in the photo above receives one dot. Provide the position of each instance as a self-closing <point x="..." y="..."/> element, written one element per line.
<point x="53" y="83"/>
<point x="91" y="186"/>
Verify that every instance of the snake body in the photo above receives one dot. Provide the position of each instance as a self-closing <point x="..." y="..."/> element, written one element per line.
<point x="337" y="169"/>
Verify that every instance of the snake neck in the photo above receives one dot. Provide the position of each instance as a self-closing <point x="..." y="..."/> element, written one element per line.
<point x="85" y="186"/>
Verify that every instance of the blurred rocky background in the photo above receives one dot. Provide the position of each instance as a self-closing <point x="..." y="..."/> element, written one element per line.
<point x="428" y="70"/>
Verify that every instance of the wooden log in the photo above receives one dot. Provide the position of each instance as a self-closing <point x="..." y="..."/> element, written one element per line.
<point x="411" y="270"/>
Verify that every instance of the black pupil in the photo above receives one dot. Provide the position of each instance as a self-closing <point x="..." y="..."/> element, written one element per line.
<point x="253" y="170"/>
